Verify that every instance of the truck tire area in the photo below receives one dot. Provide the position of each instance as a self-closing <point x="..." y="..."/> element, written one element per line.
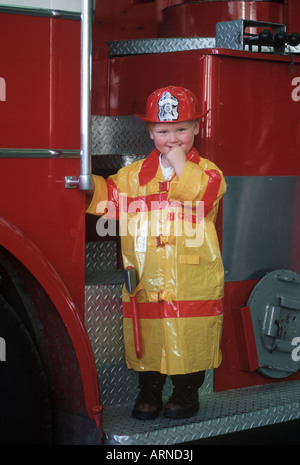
<point x="25" y="409"/>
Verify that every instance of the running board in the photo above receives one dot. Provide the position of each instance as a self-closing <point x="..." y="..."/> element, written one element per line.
<point x="220" y="413"/>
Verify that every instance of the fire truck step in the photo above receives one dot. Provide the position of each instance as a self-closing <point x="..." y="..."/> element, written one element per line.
<point x="220" y="413"/>
<point x="103" y="302"/>
<point x="100" y="256"/>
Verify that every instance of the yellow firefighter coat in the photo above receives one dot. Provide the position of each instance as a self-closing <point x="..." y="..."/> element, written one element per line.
<point x="168" y="234"/>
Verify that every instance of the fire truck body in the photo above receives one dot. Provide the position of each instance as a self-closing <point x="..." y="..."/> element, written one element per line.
<point x="40" y="135"/>
<point x="62" y="280"/>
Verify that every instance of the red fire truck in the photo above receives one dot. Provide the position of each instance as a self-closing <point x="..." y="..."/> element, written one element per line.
<point x="73" y="75"/>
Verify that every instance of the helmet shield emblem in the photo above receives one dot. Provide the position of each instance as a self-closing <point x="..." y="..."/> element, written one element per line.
<point x="168" y="107"/>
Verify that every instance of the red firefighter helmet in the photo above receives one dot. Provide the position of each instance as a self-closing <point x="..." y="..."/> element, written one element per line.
<point x="171" y="104"/>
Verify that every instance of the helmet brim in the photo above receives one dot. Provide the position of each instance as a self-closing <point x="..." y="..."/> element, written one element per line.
<point x="150" y="120"/>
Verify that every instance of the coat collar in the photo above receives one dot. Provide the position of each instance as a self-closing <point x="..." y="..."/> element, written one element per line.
<point x="151" y="164"/>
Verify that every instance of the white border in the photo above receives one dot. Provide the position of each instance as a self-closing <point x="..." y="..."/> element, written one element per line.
<point x="62" y="5"/>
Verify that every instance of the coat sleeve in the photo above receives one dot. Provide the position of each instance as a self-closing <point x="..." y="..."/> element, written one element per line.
<point x="106" y="196"/>
<point x="198" y="183"/>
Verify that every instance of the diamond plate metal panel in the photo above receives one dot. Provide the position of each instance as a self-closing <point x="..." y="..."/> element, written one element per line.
<point x="163" y="45"/>
<point x="105" y="330"/>
<point x="120" y="135"/>
<point x="100" y="255"/>
<point x="219" y="414"/>
<point x="229" y="34"/>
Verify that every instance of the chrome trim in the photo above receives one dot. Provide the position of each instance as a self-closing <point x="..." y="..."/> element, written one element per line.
<point x="84" y="182"/>
<point x="38" y="153"/>
<point x="31" y="11"/>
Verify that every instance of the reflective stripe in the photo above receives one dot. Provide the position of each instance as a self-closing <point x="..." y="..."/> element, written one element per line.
<point x="212" y="189"/>
<point x="176" y="309"/>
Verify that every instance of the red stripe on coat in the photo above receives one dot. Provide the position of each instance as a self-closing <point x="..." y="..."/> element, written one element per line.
<point x="177" y="309"/>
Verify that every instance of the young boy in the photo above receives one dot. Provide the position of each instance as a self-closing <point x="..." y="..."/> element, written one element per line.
<point x="167" y="206"/>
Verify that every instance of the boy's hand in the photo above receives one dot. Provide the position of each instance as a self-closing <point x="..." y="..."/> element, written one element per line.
<point x="176" y="157"/>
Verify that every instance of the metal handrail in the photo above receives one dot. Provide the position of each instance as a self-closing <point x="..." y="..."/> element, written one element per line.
<point x="84" y="182"/>
<point x="38" y="153"/>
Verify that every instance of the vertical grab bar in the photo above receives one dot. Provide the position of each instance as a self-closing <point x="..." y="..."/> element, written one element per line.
<point x="84" y="182"/>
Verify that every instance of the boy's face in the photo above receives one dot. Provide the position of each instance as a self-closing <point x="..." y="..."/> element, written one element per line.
<point x="167" y="135"/>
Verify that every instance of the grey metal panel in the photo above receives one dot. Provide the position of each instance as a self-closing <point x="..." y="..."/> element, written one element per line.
<point x="161" y="45"/>
<point x="231" y="34"/>
<point x="120" y="135"/>
<point x="259" y="226"/>
<point x="275" y="311"/>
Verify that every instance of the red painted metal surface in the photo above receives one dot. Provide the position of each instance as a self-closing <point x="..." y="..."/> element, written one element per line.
<point x="42" y="111"/>
<point x="130" y="19"/>
<point x="192" y="19"/>
<point x="249" y="96"/>
<point x="26" y="251"/>
<point x="138" y="19"/>
<point x="257" y="119"/>
<point x="238" y="364"/>
<point x="43" y="226"/>
<point x="41" y="67"/>
<point x="41" y="222"/>
<point x="47" y="214"/>
<point x="292" y="15"/>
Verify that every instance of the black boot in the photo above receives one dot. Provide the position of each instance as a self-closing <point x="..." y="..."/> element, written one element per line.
<point x="183" y="402"/>
<point x="148" y="404"/>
